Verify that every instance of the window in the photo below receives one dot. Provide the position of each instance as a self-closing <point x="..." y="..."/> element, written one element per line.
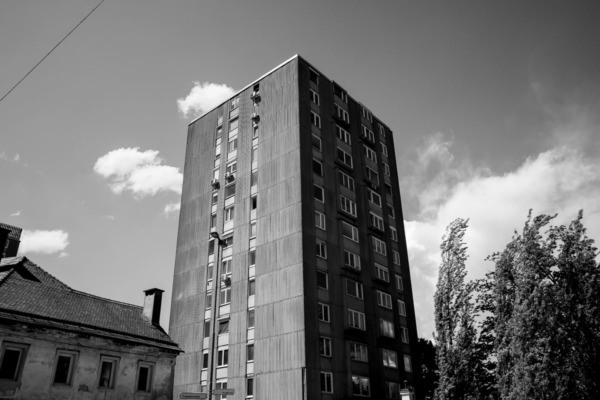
<point x="396" y="257"/>
<point x="223" y="327"/>
<point x="254" y="178"/>
<point x="386" y="170"/>
<point x="251" y="287"/>
<point x="108" y="372"/>
<point x="251" y="318"/>
<point x="394" y="233"/>
<point x="314" y="77"/>
<point x="399" y="283"/>
<point x="215" y="198"/>
<point x="344" y="157"/>
<point x="250" y="352"/>
<point x="235" y="103"/>
<point x="229" y="214"/>
<point x="317" y="167"/>
<point x="314" y="97"/>
<point x="326" y="382"/>
<point x="222" y="357"/>
<point x="370" y="154"/>
<point x="321" y="249"/>
<point x="231" y="168"/>
<point x="253" y="203"/>
<point x="251" y="258"/>
<point x="358" y="352"/>
<point x="372" y="175"/>
<point x="144" y="377"/>
<point x="346" y="180"/>
<point x="225" y="296"/>
<point x="348" y="206"/>
<point x="392" y="390"/>
<point x="392" y="212"/>
<point x="205" y="360"/>
<point x="350" y="231"/>
<point x="322" y="280"/>
<point x="230" y="190"/>
<point x="356" y="320"/>
<point x="390" y="358"/>
<point x="232" y="144"/>
<point x="323" y="312"/>
<point x="382" y="272"/>
<point x="213" y="220"/>
<point x="319" y="193"/>
<point x="351" y="260"/>
<point x="226" y="266"/>
<point x="342" y="134"/>
<point x="250" y="386"/>
<point x="252" y="229"/>
<point x="325" y="346"/>
<point x="316" y="142"/>
<point x="208" y="302"/>
<point x="379" y="246"/>
<point x="381" y="130"/>
<point x="374" y="198"/>
<point x="404" y="334"/>
<point x="360" y="386"/>
<point x="253" y="154"/>
<point x="384" y="300"/>
<point x="211" y="247"/>
<point x="206" y="328"/>
<point x="320" y="220"/>
<point x="366" y="114"/>
<point x="407" y="364"/>
<point x="315" y="119"/>
<point x="354" y="288"/>
<point x="367" y="133"/>
<point x="339" y="92"/>
<point x="342" y="114"/>
<point x="386" y="327"/>
<point x="64" y="366"/>
<point x="384" y="150"/>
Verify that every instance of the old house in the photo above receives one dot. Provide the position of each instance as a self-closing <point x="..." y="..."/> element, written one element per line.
<point x="60" y="343"/>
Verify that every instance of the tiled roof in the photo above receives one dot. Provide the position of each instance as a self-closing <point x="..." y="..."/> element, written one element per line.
<point x="28" y="293"/>
<point x="15" y="232"/>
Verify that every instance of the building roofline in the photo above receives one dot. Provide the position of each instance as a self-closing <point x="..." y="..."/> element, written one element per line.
<point x="245" y="87"/>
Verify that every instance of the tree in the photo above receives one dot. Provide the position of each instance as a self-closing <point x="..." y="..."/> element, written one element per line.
<point x="458" y="358"/>
<point x="429" y="376"/>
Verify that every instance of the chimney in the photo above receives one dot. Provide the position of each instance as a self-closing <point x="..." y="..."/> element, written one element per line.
<point x="152" y="303"/>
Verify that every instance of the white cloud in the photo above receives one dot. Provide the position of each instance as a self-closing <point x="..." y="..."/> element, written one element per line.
<point x="43" y="242"/>
<point x="140" y="172"/>
<point x="16" y="213"/>
<point x="560" y="180"/>
<point x="172" y="208"/>
<point x="6" y="157"/>
<point x="203" y="97"/>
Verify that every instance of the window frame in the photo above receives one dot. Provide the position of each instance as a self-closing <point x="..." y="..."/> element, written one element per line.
<point x="326" y="276"/>
<point x="353" y="231"/>
<point x="359" y="349"/>
<point x="382" y="272"/>
<point x="319" y="165"/>
<point x="315" y="119"/>
<point x="323" y="312"/>
<point x="321" y="249"/>
<point x="22" y="349"/>
<point x="346" y="180"/>
<point x="384" y="299"/>
<point x="399" y="282"/>
<point x="326" y="382"/>
<point x="72" y="356"/>
<point x="321" y="190"/>
<point x="112" y="379"/>
<point x="386" y="328"/>
<point x="343" y="135"/>
<point x="360" y="386"/>
<point x="389" y="358"/>
<point x="320" y="220"/>
<point x="374" y="197"/>
<point x="356" y="319"/>
<point x="379" y="246"/>
<point x="149" y="377"/>
<point x="348" y="206"/>
<point x="344" y="158"/>
<point x="370" y="153"/>
<point x="325" y="346"/>
<point x="358" y="290"/>
<point x="314" y="97"/>
<point x="351" y="260"/>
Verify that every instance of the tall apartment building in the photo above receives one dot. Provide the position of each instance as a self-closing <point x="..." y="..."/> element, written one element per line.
<point x="291" y="275"/>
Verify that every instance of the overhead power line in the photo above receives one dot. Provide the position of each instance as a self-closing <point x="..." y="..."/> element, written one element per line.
<point x="50" y="52"/>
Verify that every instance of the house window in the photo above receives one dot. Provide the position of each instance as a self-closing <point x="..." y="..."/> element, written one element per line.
<point x="348" y="205"/>
<point x="315" y="119"/>
<point x="108" y="372"/>
<point x="208" y="302"/>
<point x="64" y="366"/>
<point x="251" y="258"/>
<point x="206" y="328"/>
<point x="390" y="358"/>
<point x="404" y="334"/>
<point x="392" y="390"/>
<point x="321" y="249"/>
<point x="402" y="308"/>
<point x="354" y="289"/>
<point x="360" y="386"/>
<point x="226" y="266"/>
<point x="407" y="364"/>
<point x="325" y="346"/>
<point x="350" y="231"/>
<point x="386" y="327"/>
<point x="144" y="377"/>
<point x="250" y="352"/>
<point x="231" y="168"/>
<point x="382" y="272"/>
<point x="399" y="283"/>
<point x="223" y="327"/>
<point x="205" y="360"/>
<point x="342" y="134"/>
<point x="225" y="296"/>
<point x="314" y="77"/>
<point x="326" y="382"/>
<point x="323" y="312"/>
<point x="254" y="178"/>
<point x="346" y="180"/>
<point x="252" y="229"/>
<point x="391" y="211"/>
<point x="322" y="280"/>
<point x="317" y="167"/>
<point x="382" y="130"/>
<point x="356" y="320"/>
<point x="215" y="198"/>
<point x="367" y="133"/>
<point x="235" y="103"/>
<point x="320" y="220"/>
<point x="250" y="387"/>
<point x="394" y="233"/>
<point x="251" y="287"/>
<point x="230" y="190"/>
<point x="232" y="144"/>
<point x="253" y="203"/>
<point x="316" y="142"/>
<point x="379" y="246"/>
<point x="342" y="114"/>
<point x="396" y="257"/>
<point x="358" y="352"/>
<point x="384" y="150"/>
<point x="384" y="300"/>
<point x="344" y="157"/>
<point x="229" y="214"/>
<point x="251" y="318"/>
<point x="351" y="260"/>
<point x="314" y="97"/>
<point x="370" y="154"/>
<point x="372" y="175"/>
<point x="222" y="357"/>
<point x="213" y="220"/>
<point x="386" y="170"/>
<point x="374" y="198"/>
<point x="366" y="114"/>
<point x="319" y="193"/>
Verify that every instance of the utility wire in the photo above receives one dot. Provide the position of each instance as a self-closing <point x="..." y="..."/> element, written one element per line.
<point x="58" y="44"/>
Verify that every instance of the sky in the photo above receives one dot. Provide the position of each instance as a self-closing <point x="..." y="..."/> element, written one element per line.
<point x="495" y="109"/>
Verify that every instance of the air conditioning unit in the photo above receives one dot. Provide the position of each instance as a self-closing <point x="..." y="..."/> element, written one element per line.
<point x="229" y="177"/>
<point x="215" y="184"/>
<point x="255" y="117"/>
<point x="226" y="280"/>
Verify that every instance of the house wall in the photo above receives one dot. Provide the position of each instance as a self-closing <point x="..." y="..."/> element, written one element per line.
<point x="39" y="366"/>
